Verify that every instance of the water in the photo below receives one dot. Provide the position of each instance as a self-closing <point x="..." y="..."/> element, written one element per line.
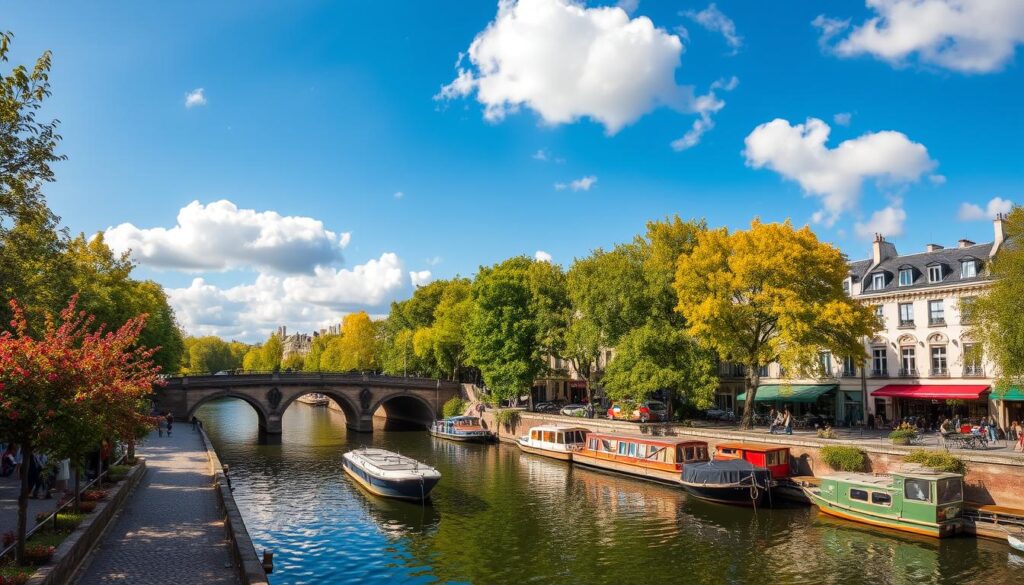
<point x="500" y="516"/>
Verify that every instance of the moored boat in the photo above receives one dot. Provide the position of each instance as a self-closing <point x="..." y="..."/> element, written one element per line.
<point x="555" y="441"/>
<point x="466" y="429"/>
<point x="774" y="458"/>
<point x="1016" y="540"/>
<point x="924" y="502"/>
<point x="655" y="458"/>
<point x="390" y="474"/>
<point x="730" y="481"/>
<point x="314" y="399"/>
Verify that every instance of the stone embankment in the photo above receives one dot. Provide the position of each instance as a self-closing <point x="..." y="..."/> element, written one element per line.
<point x="992" y="477"/>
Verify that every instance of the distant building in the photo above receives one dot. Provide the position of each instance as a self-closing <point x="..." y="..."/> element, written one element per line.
<point x="299" y="343"/>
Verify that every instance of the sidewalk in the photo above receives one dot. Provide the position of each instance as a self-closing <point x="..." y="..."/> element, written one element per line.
<point x="9" y="504"/>
<point x="171" y="529"/>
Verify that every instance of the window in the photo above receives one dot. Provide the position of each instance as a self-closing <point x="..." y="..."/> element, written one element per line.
<point x="906" y="314"/>
<point x="939" y="361"/>
<point x="593" y="444"/>
<point x="881" y="499"/>
<point x="906" y="276"/>
<point x="848" y="367"/>
<point x="825" y="358"/>
<point x="623" y="447"/>
<point x="908" y="362"/>
<point x="762" y="371"/>
<point x="968" y="269"/>
<point x="688" y="454"/>
<point x="856" y="494"/>
<point x="879" y="367"/>
<point x="935" y="274"/>
<point x="879" y="313"/>
<point x="877" y="281"/>
<point x="972" y="360"/>
<point x="560" y="438"/>
<point x="950" y="490"/>
<point x="846" y="286"/>
<point x="632" y="449"/>
<point x="967" y="309"/>
<point x="918" y="490"/>
<point x="936" y="313"/>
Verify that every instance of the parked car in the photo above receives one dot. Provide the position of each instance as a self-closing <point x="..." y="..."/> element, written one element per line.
<point x="579" y="410"/>
<point x="719" y="414"/>
<point x="648" y="410"/>
<point x="547" y="407"/>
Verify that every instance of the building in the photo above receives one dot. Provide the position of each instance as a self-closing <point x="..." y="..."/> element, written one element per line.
<point x="562" y="382"/>
<point x="299" y="343"/>
<point x="922" y="362"/>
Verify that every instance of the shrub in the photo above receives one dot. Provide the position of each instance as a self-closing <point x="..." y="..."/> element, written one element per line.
<point x="86" y="506"/>
<point x="38" y="554"/>
<point x="93" y="495"/>
<point x="826" y="433"/>
<point x="507" y="417"/>
<point x="118" y="472"/>
<point x="69" y="519"/>
<point x="937" y="460"/>
<point x="902" y="436"/>
<point x="453" y="407"/>
<point x="14" y="575"/>
<point x="844" y="458"/>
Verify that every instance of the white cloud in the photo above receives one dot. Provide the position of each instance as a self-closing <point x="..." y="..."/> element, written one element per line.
<point x="419" y="278"/>
<point x="887" y="221"/>
<point x="398" y="195"/>
<point x="842" y="118"/>
<point x="220" y="236"/>
<point x="581" y="184"/>
<point x="969" y="36"/>
<point x="542" y="256"/>
<point x="565" y="61"/>
<point x="541" y="154"/>
<point x="706" y="106"/>
<point x="973" y="212"/>
<point x="714" y="20"/>
<point x="629" y="6"/>
<point x="835" y="175"/>
<point x="196" y="97"/>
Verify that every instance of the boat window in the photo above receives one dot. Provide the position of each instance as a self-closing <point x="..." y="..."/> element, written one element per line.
<point x="593" y="444"/>
<point x="623" y="447"/>
<point x="950" y="490"/>
<point x="606" y="445"/>
<point x="702" y="454"/>
<point x="549" y="437"/>
<point x="641" y="451"/>
<point x="918" y="490"/>
<point x="688" y="453"/>
<point x="560" y="438"/>
<point x="727" y="451"/>
<point x="856" y="494"/>
<point x="580" y="436"/>
<point x="535" y="435"/>
<point x="632" y="449"/>
<point x="657" y="453"/>
<point x="881" y="499"/>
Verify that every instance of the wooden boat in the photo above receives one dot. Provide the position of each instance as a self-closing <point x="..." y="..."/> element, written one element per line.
<point x="461" y="428"/>
<point x="1016" y="540"/>
<point x="555" y="441"/>
<point x="390" y="474"/>
<point x="730" y="481"/>
<point x="921" y="501"/>
<point x="655" y="458"/>
<point x="774" y="458"/>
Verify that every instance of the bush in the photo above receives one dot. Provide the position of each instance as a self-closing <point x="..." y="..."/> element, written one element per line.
<point x="843" y="458"/>
<point x="507" y="417"/>
<point x="93" y="495"/>
<point x="14" y="575"/>
<point x="937" y="460"/>
<point x="38" y="554"/>
<point x="118" y="472"/>
<point x="86" y="506"/>
<point x="453" y="407"/>
<point x="826" y="433"/>
<point x="69" y="520"/>
<point x="902" y="436"/>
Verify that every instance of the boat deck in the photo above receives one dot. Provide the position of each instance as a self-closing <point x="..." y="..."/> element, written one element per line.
<point x="388" y="460"/>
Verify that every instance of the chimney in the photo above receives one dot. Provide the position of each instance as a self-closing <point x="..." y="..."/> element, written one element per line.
<point x="935" y="247"/>
<point x="964" y="243"/>
<point x="999" y="224"/>
<point x="882" y="250"/>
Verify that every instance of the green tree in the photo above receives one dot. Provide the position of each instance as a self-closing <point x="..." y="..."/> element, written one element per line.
<point x="293" y="362"/>
<point x="208" y="355"/>
<point x="312" y="363"/>
<point x="443" y="343"/>
<point x="997" y="314"/>
<point x="770" y="294"/>
<point x="265" y="357"/>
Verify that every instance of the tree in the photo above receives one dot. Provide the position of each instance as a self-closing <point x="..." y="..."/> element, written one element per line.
<point x="770" y="293"/>
<point x="443" y="343"/>
<point x="997" y="314"/>
<point x="357" y="345"/>
<point x="294" y="362"/>
<point x="265" y="357"/>
<point x="313" y="361"/>
<point x="502" y="332"/>
<point x="660" y="357"/>
<point x="209" y="354"/>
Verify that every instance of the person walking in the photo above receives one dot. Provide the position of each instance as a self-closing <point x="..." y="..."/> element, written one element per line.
<point x="170" y="423"/>
<point x="993" y="429"/>
<point x="160" y="424"/>
<point x="787" y="421"/>
<point x="34" y="470"/>
<point x="195" y="423"/>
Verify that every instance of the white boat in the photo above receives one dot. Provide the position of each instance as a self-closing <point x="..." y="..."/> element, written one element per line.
<point x="1016" y="540"/>
<point x="555" y="441"/>
<point x="390" y="474"/>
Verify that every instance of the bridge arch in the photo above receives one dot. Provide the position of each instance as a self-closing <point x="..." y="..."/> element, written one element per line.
<point x="350" y="410"/>
<point x="227" y="393"/>
<point x="406" y="407"/>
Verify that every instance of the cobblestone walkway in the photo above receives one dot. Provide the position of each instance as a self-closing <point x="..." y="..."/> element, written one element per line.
<point x="9" y="504"/>
<point x="170" y="530"/>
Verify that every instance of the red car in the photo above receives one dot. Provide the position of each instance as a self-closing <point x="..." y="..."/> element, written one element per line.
<point x="648" y="410"/>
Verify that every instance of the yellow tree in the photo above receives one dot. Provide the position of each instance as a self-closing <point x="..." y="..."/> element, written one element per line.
<point x="769" y="294"/>
<point x="357" y="346"/>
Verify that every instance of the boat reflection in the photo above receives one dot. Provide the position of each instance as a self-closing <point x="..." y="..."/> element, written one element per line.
<point x="399" y="519"/>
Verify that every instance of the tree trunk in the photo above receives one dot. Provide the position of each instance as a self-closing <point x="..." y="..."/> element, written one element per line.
<point x="131" y="450"/>
<point x="26" y="461"/>
<point x="78" y="488"/>
<point x="753" y="379"/>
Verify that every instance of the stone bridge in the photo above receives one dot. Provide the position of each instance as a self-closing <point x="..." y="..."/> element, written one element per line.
<point x="360" y="396"/>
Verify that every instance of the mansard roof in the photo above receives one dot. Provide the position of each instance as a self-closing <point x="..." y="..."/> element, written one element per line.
<point x="948" y="258"/>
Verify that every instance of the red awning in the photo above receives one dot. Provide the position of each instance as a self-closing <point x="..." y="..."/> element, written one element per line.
<point x="933" y="391"/>
<point x="578" y="384"/>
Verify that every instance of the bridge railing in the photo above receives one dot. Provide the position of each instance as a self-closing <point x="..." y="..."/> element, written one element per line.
<point x="237" y="377"/>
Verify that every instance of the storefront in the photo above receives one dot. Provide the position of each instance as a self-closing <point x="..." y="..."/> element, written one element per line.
<point x="1011" y="405"/>
<point x="936" y="402"/>
<point x="802" y="399"/>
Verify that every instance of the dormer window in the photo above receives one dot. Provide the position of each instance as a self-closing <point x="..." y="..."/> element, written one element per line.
<point x="846" y="286"/>
<point x="878" y="281"/>
<point x="906" y="276"/>
<point x="969" y="268"/>
<point x="935" y="273"/>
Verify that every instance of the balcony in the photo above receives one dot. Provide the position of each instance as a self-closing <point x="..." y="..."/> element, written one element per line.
<point x="937" y="322"/>
<point x="879" y="373"/>
<point x="939" y="373"/>
<point x="974" y="371"/>
<point x="908" y="373"/>
<point x="849" y="374"/>
<point x="906" y="324"/>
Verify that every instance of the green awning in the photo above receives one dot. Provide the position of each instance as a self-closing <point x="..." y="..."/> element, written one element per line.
<point x="1015" y="394"/>
<point x="789" y="392"/>
<point x="851" y="396"/>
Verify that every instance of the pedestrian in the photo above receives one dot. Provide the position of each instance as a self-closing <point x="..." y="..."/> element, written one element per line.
<point x="590" y="410"/>
<point x="160" y="424"/>
<point x="33" y="475"/>
<point x="195" y="423"/>
<point x="7" y="464"/>
<point x="993" y="429"/>
<point x="170" y="423"/>
<point x="787" y="421"/>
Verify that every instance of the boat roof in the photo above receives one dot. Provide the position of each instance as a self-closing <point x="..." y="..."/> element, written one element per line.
<point x="559" y="428"/>
<point x="752" y="446"/>
<point x="883" y="481"/>
<point x="647" y="438"/>
<point x="388" y="460"/>
<point x="463" y="417"/>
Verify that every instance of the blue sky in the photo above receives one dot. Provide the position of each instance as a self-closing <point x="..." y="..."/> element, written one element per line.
<point x="324" y="111"/>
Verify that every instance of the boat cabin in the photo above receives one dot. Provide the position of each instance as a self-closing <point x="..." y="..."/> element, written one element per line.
<point x="665" y="453"/>
<point x="464" y="423"/>
<point x="557" y="437"/>
<point x="774" y="458"/>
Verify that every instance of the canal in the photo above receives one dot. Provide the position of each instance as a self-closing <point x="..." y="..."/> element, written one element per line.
<point x="499" y="516"/>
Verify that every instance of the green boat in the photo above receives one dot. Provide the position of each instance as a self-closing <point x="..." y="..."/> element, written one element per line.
<point x="920" y="501"/>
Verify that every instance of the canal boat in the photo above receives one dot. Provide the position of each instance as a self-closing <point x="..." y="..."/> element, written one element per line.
<point x="919" y="501"/>
<point x="466" y="429"/>
<point x="655" y="458"/>
<point x="730" y="481"/>
<point x="774" y="458"/>
<point x="390" y="474"/>
<point x="554" y="441"/>
<point x="314" y="399"/>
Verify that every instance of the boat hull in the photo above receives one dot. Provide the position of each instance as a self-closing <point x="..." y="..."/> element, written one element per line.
<point x="638" y="471"/>
<point x="923" y="529"/>
<point x="1016" y="541"/>
<point x="729" y="494"/>
<point x="400" y="489"/>
<point x="488" y="438"/>
<point x="559" y="455"/>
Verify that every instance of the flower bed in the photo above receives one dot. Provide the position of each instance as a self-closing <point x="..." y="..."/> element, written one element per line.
<point x="93" y="495"/>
